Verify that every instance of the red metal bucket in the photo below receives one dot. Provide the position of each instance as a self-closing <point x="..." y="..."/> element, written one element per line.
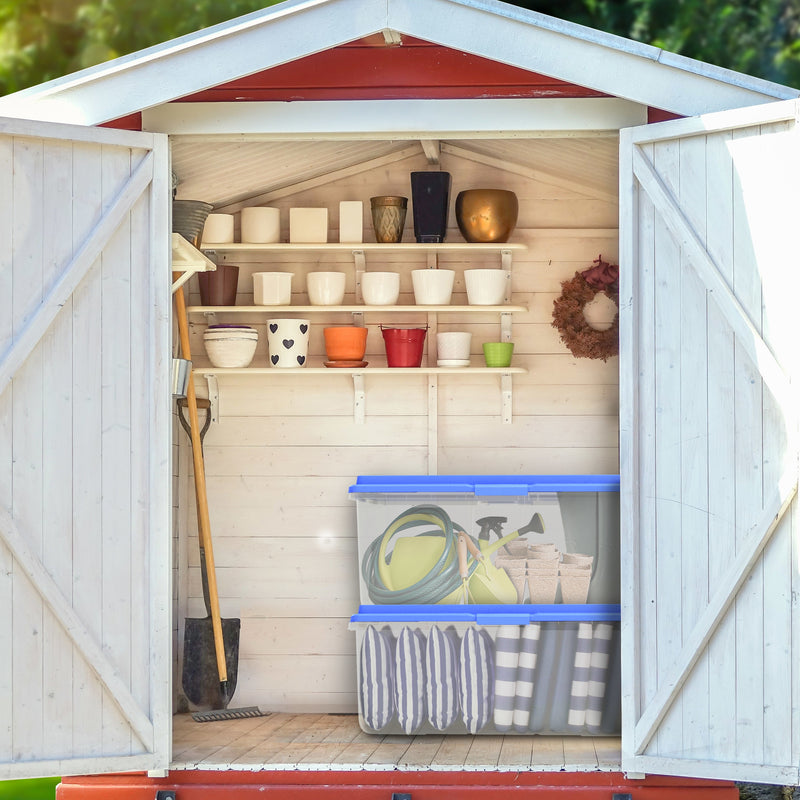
<point x="404" y="346"/>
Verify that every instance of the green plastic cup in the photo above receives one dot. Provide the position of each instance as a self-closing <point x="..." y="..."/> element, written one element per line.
<point x="498" y="354"/>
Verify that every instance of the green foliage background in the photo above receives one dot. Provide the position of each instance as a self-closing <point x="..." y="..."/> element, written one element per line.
<point x="43" y="39"/>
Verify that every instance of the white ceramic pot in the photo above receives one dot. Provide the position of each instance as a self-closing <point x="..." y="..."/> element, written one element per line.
<point x="380" y="288"/>
<point x="261" y="225"/>
<point x="325" y="288"/>
<point x="486" y="287"/>
<point x="432" y="287"/>
<point x="218" y="228"/>
<point x="272" y="288"/>
<point x="453" y="346"/>
<point x="288" y="342"/>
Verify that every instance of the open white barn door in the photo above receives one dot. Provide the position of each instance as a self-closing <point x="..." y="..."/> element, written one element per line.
<point x="84" y="450"/>
<point x="710" y="212"/>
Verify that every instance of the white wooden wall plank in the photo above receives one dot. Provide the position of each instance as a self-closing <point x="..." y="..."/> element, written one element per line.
<point x="27" y="440"/>
<point x="668" y="445"/>
<point x="297" y="636"/>
<point x="694" y="442"/>
<point x="6" y="428"/>
<point x="116" y="444"/>
<point x="749" y="481"/>
<point x="86" y="457"/>
<point x="57" y="552"/>
<point x="721" y="422"/>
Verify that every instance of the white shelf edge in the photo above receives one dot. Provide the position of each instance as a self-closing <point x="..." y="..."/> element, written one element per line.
<point x="277" y="247"/>
<point x="350" y="309"/>
<point x="200" y="371"/>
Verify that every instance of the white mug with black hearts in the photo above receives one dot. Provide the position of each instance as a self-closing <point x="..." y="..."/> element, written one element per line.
<point x="288" y="342"/>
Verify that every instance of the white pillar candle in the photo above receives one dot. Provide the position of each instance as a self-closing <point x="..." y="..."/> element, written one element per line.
<point x="351" y="217"/>
<point x="218" y="228"/>
<point x="261" y="225"/>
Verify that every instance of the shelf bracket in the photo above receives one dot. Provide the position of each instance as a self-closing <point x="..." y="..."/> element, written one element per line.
<point x="505" y="260"/>
<point x="359" y="399"/>
<point x="360" y="262"/>
<point x="433" y="261"/>
<point x="505" y="326"/>
<point x="213" y="396"/>
<point x="211" y="317"/>
<point x="506" y="395"/>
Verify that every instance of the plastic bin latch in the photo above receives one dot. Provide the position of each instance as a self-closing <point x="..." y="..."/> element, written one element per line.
<point x="501" y="489"/>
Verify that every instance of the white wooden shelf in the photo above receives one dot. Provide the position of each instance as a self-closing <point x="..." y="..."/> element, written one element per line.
<point x="357" y="309"/>
<point x="405" y="247"/>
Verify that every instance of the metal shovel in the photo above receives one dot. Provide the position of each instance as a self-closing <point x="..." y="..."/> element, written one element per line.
<point x="211" y="644"/>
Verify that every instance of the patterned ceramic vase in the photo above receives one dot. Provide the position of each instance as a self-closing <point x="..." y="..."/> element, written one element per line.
<point x="388" y="217"/>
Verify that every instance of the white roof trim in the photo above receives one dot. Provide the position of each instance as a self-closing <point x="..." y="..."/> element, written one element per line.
<point x="297" y="28"/>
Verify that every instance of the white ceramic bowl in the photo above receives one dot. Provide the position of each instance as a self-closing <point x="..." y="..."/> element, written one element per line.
<point x="231" y="353"/>
<point x="325" y="288"/>
<point x="453" y="346"/>
<point x="380" y="288"/>
<point x="272" y="288"/>
<point x="432" y="287"/>
<point x="486" y="287"/>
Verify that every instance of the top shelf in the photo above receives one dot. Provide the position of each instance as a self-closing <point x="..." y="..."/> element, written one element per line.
<point x="445" y="247"/>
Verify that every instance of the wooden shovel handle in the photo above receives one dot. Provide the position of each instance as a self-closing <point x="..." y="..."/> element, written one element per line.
<point x="203" y="521"/>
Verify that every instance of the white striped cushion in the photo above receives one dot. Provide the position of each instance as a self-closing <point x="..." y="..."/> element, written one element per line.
<point x="506" y="654"/>
<point x="409" y="683"/>
<point x="376" y="695"/>
<point x="477" y="679"/>
<point x="441" y="666"/>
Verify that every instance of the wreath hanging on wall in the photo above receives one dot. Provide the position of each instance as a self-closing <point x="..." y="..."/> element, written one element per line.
<point x="578" y="335"/>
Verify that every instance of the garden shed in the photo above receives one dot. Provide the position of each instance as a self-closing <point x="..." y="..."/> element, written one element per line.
<point x="682" y="173"/>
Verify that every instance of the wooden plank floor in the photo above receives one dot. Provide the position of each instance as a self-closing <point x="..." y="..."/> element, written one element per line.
<point x="336" y="742"/>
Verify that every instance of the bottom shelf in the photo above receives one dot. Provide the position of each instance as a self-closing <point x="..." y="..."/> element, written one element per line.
<point x="336" y="741"/>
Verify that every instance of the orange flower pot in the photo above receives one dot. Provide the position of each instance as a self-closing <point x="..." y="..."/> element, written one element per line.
<point x="345" y="343"/>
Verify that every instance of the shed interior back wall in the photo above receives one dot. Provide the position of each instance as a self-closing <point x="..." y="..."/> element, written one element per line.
<point x="285" y="451"/>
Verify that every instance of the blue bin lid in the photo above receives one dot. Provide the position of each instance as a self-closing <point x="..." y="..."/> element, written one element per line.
<point x="489" y="615"/>
<point x="483" y="485"/>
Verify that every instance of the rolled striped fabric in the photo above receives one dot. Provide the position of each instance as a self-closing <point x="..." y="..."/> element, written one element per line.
<point x="526" y="672"/>
<point x="376" y="695"/>
<point x="441" y="667"/>
<point x="476" y="679"/>
<point x="598" y="675"/>
<point x="576" y="718"/>
<point x="409" y="679"/>
<point x="506" y="657"/>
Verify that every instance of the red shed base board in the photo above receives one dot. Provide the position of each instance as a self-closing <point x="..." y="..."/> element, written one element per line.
<point x="227" y="785"/>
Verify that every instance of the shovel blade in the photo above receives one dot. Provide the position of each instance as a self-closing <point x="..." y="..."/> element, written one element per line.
<point x="201" y="683"/>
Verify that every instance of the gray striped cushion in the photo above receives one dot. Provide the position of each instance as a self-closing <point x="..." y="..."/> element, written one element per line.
<point x="376" y="695"/>
<point x="506" y="654"/>
<point x="579" y="690"/>
<point x="441" y="666"/>
<point x="477" y="679"/>
<point x="409" y="683"/>
<point x="526" y="673"/>
<point x="598" y="675"/>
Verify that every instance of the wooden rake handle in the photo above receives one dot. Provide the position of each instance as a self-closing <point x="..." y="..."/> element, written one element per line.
<point x="203" y="521"/>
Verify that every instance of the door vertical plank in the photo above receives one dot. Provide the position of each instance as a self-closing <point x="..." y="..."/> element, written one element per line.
<point x="721" y="424"/>
<point x="779" y="290"/>
<point x="6" y="397"/>
<point x="749" y="478"/>
<point x="87" y="425"/>
<point x="694" y="442"/>
<point x="116" y="445"/>
<point x="646" y="423"/>
<point x="140" y="406"/>
<point x="57" y="551"/>
<point x="27" y="606"/>
<point x="668" y="450"/>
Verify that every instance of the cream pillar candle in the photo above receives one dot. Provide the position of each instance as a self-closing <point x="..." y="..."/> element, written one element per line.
<point x="351" y="221"/>
<point x="261" y="225"/>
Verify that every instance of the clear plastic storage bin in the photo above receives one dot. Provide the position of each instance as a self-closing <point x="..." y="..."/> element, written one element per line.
<point x="455" y="539"/>
<point x="489" y="670"/>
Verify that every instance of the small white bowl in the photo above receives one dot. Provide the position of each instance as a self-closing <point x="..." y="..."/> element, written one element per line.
<point x="325" y="288"/>
<point x="486" y="287"/>
<point x="380" y="288"/>
<point x="432" y="287"/>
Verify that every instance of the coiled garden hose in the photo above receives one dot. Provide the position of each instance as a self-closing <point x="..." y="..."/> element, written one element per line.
<point x="441" y="580"/>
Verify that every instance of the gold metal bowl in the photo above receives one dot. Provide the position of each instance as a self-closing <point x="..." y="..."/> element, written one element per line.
<point x="486" y="215"/>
